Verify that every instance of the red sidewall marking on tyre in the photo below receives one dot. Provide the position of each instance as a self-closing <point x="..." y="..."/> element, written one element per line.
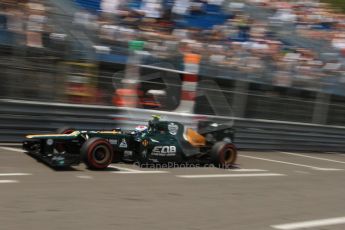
<point x="90" y="152"/>
<point x="226" y="148"/>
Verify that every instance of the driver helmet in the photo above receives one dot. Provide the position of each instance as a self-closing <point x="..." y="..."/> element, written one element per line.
<point x="154" y="122"/>
<point x="140" y="128"/>
<point x="156" y="118"/>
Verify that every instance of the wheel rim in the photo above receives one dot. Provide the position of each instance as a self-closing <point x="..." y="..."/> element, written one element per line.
<point x="101" y="154"/>
<point x="229" y="155"/>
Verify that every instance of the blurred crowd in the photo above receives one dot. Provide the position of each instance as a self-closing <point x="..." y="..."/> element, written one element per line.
<point x="242" y="42"/>
<point x="25" y="20"/>
<point x="223" y="32"/>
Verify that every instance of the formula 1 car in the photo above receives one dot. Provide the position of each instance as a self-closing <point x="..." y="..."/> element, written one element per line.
<point x="159" y="142"/>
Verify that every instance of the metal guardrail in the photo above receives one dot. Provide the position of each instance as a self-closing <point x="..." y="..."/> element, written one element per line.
<point x="19" y="118"/>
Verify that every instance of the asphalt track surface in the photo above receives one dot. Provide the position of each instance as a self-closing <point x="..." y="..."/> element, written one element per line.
<point x="269" y="190"/>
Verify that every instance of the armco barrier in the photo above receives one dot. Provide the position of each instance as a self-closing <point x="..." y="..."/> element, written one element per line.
<point x="19" y="118"/>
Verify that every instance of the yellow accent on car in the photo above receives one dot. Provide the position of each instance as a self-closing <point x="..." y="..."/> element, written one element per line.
<point x="110" y="132"/>
<point x="75" y="133"/>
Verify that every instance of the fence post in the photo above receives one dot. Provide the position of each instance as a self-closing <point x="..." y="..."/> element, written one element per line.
<point x="321" y="107"/>
<point x="239" y="102"/>
<point x="189" y="83"/>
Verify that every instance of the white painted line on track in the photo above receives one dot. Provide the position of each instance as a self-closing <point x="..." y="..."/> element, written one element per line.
<point x="8" y="181"/>
<point x="15" y="174"/>
<point x="84" y="177"/>
<point x="290" y="163"/>
<point x="13" y="149"/>
<point x="123" y="168"/>
<point x="310" y="224"/>
<point x="248" y="170"/>
<point x="301" y="172"/>
<point x="316" y="158"/>
<point x="231" y="175"/>
<point x="133" y="171"/>
<point x="328" y="169"/>
<point x="141" y="172"/>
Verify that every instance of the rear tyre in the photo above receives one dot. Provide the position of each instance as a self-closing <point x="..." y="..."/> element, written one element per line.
<point x="65" y="130"/>
<point x="97" y="153"/>
<point x="223" y="154"/>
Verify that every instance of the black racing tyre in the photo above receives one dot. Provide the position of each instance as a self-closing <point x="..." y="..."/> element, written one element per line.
<point x="65" y="130"/>
<point x="97" y="153"/>
<point x="60" y="147"/>
<point x="223" y="154"/>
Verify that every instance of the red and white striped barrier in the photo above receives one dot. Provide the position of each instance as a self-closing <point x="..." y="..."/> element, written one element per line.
<point x="189" y="83"/>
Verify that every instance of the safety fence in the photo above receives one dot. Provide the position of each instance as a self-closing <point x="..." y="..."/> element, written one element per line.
<point x="19" y="118"/>
<point x="55" y="80"/>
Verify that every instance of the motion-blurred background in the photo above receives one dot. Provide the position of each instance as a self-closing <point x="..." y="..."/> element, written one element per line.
<point x="274" y="60"/>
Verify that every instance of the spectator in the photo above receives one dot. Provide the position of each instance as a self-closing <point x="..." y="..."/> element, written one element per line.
<point x="85" y="19"/>
<point x="181" y="8"/>
<point x="35" y="24"/>
<point x="3" y="18"/>
<point x="16" y="24"/>
<point x="152" y="8"/>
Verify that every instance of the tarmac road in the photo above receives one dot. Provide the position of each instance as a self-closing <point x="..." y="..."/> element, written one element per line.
<point x="267" y="191"/>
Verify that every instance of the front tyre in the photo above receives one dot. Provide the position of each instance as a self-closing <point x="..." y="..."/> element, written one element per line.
<point x="223" y="154"/>
<point x="97" y="153"/>
<point x="60" y="147"/>
<point x="65" y="130"/>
